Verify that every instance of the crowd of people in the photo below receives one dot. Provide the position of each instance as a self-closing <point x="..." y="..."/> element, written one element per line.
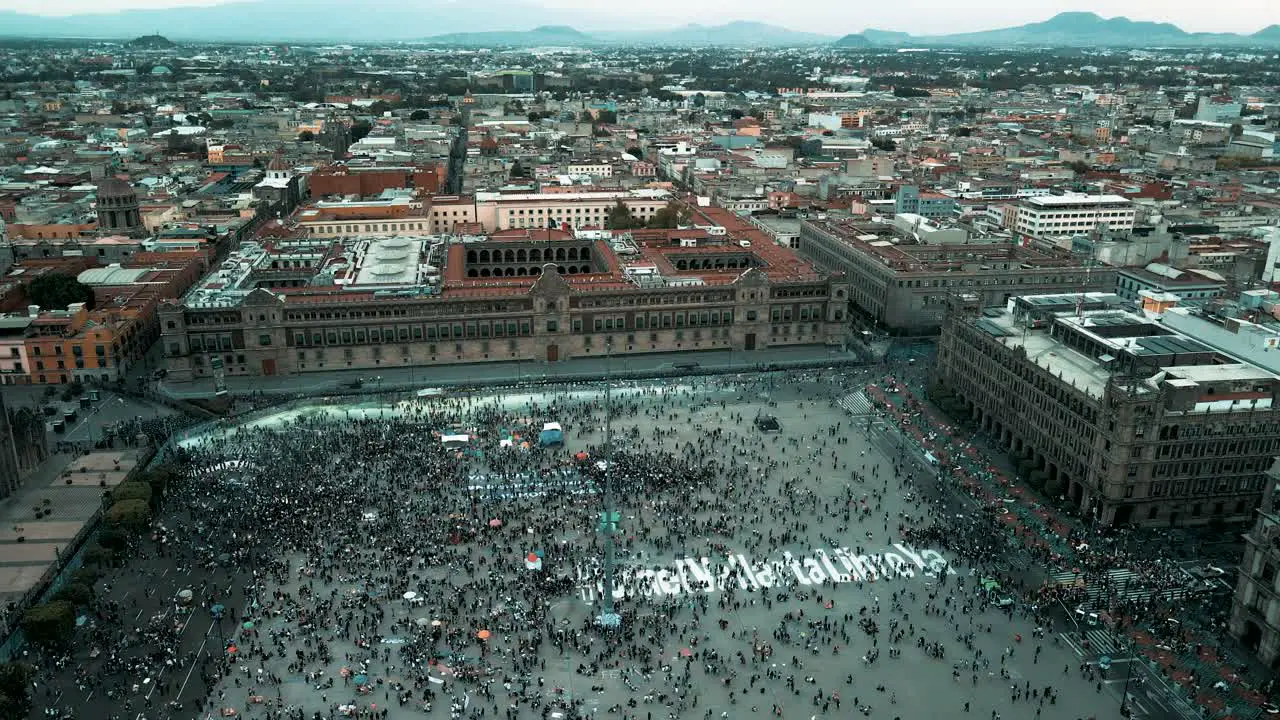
<point x="350" y="562"/>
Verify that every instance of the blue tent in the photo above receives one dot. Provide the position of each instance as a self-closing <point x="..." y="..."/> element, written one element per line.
<point x="552" y="434"/>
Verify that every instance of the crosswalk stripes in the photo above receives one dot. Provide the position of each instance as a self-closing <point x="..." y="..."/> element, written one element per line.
<point x="1121" y="584"/>
<point x="856" y="403"/>
<point x="1101" y="641"/>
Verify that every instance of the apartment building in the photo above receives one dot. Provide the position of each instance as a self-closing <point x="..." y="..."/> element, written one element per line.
<point x="406" y="213"/>
<point x="1132" y="422"/>
<point x="1255" y="610"/>
<point x="1050" y="215"/>
<point x="594" y="169"/>
<point x="530" y="295"/>
<point x="903" y="287"/>
<point x="496" y="212"/>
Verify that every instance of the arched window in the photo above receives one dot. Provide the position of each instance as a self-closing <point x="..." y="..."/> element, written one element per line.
<point x="472" y="257"/>
<point x="484" y="256"/>
<point x="522" y="256"/>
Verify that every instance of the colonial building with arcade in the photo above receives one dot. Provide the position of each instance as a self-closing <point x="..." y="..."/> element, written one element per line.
<point x="307" y="304"/>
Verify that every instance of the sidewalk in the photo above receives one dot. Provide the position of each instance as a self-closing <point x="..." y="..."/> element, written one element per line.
<point x="489" y="373"/>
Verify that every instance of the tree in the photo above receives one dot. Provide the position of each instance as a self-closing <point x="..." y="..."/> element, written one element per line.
<point x="50" y="624"/>
<point x="962" y="132"/>
<point x="15" y="691"/>
<point x="736" y="114"/>
<point x="161" y="479"/>
<point x="1236" y="130"/>
<point x="306" y="136"/>
<point x="517" y="170"/>
<point x="58" y="290"/>
<point x="607" y="117"/>
<point x="886" y="144"/>
<point x="78" y="594"/>
<point x="699" y="100"/>
<point x="419" y="115"/>
<point x="586" y="117"/>
<point x="379" y="107"/>
<point x="99" y="556"/>
<point x="131" y="515"/>
<point x="620" y="218"/>
<point x="635" y="152"/>
<point x="1079" y="167"/>
<point x="133" y="490"/>
<point x="904" y="91"/>
<point x="359" y="130"/>
<point x="671" y="216"/>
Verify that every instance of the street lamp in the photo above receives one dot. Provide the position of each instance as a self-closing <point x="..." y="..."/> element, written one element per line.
<point x="1128" y="674"/>
<point x="609" y="516"/>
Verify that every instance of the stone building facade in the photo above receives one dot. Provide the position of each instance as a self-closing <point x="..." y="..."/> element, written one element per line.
<point x="1131" y="422"/>
<point x="1255" y="611"/>
<point x="549" y="320"/>
<point x="903" y="288"/>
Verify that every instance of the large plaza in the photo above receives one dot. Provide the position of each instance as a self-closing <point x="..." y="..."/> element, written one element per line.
<point x="366" y="559"/>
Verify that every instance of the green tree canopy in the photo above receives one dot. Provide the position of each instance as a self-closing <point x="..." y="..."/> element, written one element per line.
<point x="671" y="216"/>
<point x="55" y="291"/>
<point x="306" y="136"/>
<point x="15" y="691"/>
<point x="130" y="515"/>
<point x="133" y="490"/>
<point x="50" y="624"/>
<point x="620" y="218"/>
<point x="419" y="115"/>
<point x="78" y="594"/>
<point x="635" y="151"/>
<point x="360" y="130"/>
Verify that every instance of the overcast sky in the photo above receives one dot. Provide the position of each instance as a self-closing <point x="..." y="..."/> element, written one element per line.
<point x="832" y="17"/>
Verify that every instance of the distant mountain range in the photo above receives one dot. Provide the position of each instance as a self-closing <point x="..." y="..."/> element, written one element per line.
<point x="448" y="22"/>
<point x="741" y="33"/>
<point x="1083" y="29"/>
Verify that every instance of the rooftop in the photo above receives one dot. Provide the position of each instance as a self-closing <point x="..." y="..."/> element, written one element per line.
<point x="1086" y="339"/>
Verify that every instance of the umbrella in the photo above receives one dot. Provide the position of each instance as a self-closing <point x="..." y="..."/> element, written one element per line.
<point x="345" y="672"/>
<point x="483" y="634"/>
<point x="185" y="595"/>
<point x="410" y="595"/>
<point x="580" y="455"/>
<point x="224" y="558"/>
<point x="361" y="679"/>
<point x="686" y="652"/>
<point x="1104" y="662"/>
<point x="532" y="561"/>
<point x="422" y="622"/>
<point x="495" y="523"/>
<point x="248" y="625"/>
<point x="436" y="623"/>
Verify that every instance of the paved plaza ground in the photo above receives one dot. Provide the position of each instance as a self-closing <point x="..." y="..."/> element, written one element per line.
<point x="815" y="571"/>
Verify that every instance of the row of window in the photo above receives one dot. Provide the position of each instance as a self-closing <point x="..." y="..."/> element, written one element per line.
<point x="62" y="365"/>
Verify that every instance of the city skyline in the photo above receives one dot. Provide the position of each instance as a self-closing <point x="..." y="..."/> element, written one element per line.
<point x="824" y="16"/>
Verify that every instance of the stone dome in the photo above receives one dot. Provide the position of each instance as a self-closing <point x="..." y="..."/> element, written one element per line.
<point x="114" y="188"/>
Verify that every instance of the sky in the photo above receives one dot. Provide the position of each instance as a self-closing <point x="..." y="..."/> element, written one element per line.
<point x="832" y="17"/>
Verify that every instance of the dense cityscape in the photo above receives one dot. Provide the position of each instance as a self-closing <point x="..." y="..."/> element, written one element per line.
<point x="640" y="374"/>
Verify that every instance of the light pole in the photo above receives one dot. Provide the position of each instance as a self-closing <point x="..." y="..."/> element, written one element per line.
<point x="608" y="617"/>
<point x="1128" y="674"/>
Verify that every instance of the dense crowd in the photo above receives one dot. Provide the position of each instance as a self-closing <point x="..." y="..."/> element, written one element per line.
<point x="355" y="563"/>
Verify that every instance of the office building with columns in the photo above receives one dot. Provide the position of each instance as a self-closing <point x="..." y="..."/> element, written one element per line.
<point x="1129" y="420"/>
